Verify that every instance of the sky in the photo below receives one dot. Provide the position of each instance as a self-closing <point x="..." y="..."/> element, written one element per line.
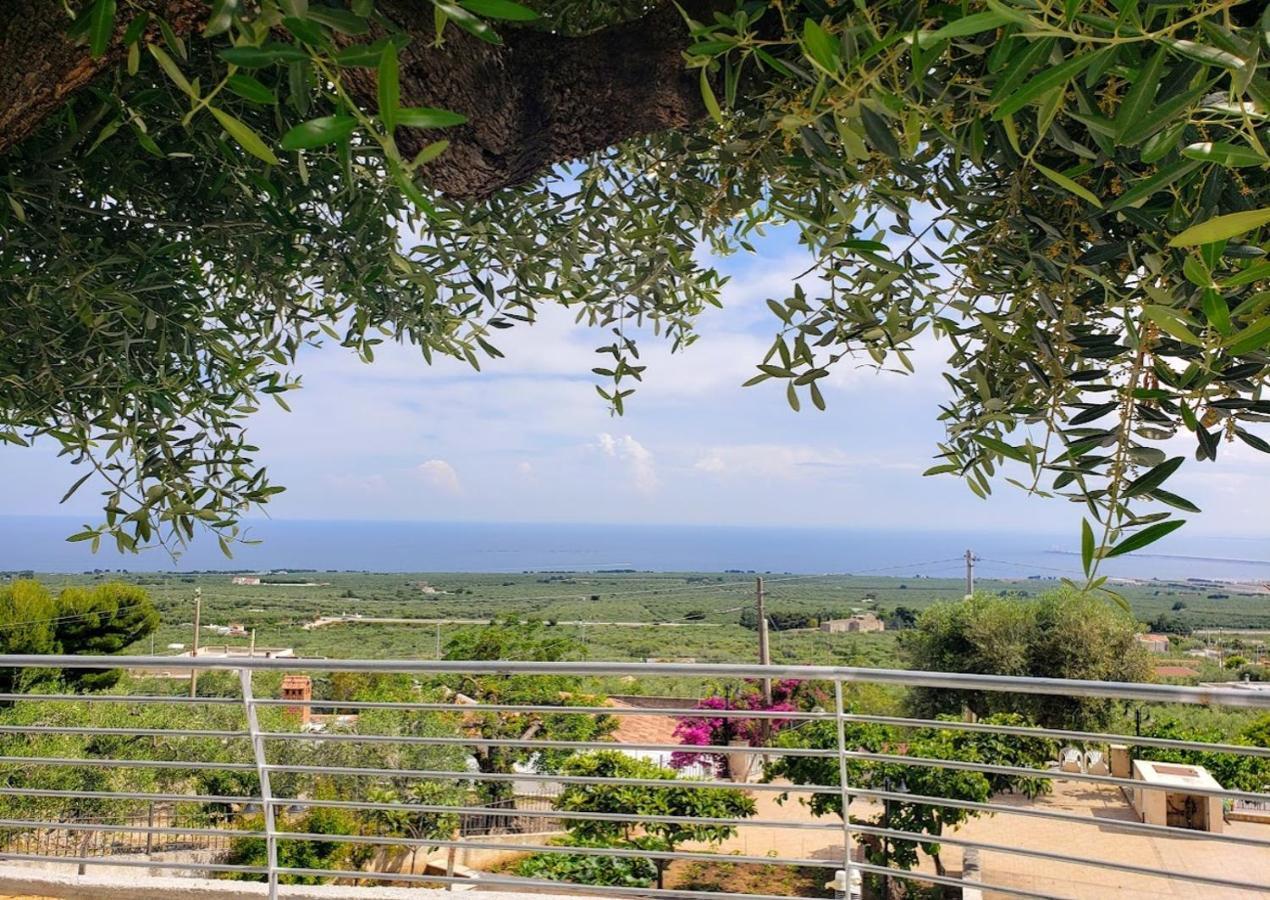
<point x="529" y="440"/>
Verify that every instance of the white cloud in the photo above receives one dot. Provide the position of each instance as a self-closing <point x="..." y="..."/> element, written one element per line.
<point x="788" y="462"/>
<point x="637" y="458"/>
<point x="439" y="474"/>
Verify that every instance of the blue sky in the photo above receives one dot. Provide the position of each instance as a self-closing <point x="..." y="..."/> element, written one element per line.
<point x="528" y="439"/>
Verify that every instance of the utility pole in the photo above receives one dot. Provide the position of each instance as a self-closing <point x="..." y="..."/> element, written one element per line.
<point x="764" y="650"/>
<point x="198" y="612"/>
<point x="970" y="572"/>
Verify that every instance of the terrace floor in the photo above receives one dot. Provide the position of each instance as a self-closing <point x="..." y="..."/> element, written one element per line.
<point x="1103" y="840"/>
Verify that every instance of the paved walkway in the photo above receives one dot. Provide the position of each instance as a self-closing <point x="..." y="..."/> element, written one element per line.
<point x="1100" y="839"/>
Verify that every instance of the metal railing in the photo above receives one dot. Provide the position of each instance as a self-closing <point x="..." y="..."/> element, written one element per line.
<point x="252" y="792"/>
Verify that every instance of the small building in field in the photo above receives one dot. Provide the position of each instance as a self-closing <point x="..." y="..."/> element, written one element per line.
<point x="245" y="579"/>
<point x="1154" y="643"/>
<point x="861" y="622"/>
<point x="224" y="652"/>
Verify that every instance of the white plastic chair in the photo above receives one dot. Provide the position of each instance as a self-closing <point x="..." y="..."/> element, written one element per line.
<point x="1070" y="759"/>
<point x="1096" y="763"/>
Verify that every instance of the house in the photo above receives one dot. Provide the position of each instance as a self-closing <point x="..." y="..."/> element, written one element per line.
<point x="861" y="622"/>
<point x="215" y="652"/>
<point x="1204" y="653"/>
<point x="245" y="579"/>
<point x="1154" y="643"/>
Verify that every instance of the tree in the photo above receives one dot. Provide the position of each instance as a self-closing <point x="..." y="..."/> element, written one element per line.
<point x="97" y="737"/>
<point x="295" y="854"/>
<point x="1167" y="624"/>
<point x="1064" y="634"/>
<point x="654" y="836"/>
<point x="510" y="639"/>
<point x="1232" y="771"/>
<point x="416" y="824"/>
<point x="902" y="617"/>
<point x="920" y="818"/>
<point x="101" y="620"/>
<point x="706" y="730"/>
<point x="1073" y="198"/>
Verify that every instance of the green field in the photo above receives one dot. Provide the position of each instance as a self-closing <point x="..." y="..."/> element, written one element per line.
<point x="681" y="616"/>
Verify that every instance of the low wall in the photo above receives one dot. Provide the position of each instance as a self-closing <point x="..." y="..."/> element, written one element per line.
<point x="466" y="859"/>
<point x="24" y="882"/>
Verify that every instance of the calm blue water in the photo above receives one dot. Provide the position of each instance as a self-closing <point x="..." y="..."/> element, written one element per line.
<point x="39" y="543"/>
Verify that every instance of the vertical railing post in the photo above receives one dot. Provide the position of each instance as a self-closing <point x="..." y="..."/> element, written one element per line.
<point x="840" y="715"/>
<point x="262" y="773"/>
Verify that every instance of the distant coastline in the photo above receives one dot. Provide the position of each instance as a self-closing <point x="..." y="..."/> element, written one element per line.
<point x="1180" y="556"/>
<point x="39" y="544"/>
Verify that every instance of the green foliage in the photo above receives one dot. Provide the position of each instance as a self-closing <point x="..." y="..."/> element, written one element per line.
<point x="588" y="868"/>
<point x="99" y="738"/>
<point x="313" y="854"/>
<point x="1064" y="634"/>
<point x="1093" y="256"/>
<point x="686" y="802"/>
<point x="507" y="638"/>
<point x="923" y="780"/>
<point x="100" y="620"/>
<point x="1232" y="771"/>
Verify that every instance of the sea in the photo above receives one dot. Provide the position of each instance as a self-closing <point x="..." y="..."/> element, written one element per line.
<point x="39" y="543"/>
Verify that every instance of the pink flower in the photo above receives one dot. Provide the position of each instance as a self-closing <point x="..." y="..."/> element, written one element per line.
<point x="788" y="695"/>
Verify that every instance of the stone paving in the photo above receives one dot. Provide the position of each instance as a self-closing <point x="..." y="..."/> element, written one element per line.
<point x="1100" y="839"/>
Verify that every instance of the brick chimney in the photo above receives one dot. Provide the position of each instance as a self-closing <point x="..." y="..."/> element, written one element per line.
<point x="298" y="687"/>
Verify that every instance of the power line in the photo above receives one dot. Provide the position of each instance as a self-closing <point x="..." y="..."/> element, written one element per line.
<point x="1003" y="562"/>
<point x="70" y="618"/>
<point x="906" y="566"/>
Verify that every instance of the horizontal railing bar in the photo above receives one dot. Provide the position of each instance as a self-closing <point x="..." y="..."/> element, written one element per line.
<point x="462" y="708"/>
<point x="1131" y="826"/>
<point x="1164" y="693"/>
<point x="551" y="779"/>
<point x="694" y="749"/>
<point x="136" y="863"/>
<point x="517" y="812"/>
<point x="615" y="852"/>
<point x="929" y="878"/>
<point x="123" y="732"/>
<point x="1052" y="774"/>
<point x="1084" y="861"/>
<point x="556" y="887"/>
<point x="126" y="795"/>
<point x="121" y="698"/>
<point x="1061" y="734"/>
<point x="137" y="829"/>
<point x="126" y="763"/>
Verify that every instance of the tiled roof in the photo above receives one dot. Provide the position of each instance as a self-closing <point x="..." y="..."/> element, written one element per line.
<point x="642" y="729"/>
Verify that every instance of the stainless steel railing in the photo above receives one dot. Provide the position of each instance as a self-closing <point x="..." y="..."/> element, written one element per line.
<point x="264" y="763"/>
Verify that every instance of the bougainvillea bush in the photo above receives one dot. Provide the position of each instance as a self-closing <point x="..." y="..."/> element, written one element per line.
<point x="788" y="695"/>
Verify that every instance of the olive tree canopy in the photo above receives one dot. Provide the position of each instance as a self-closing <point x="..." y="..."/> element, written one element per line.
<point x="1072" y="195"/>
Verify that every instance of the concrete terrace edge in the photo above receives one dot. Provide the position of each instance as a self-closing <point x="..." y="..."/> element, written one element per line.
<point x="26" y="882"/>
